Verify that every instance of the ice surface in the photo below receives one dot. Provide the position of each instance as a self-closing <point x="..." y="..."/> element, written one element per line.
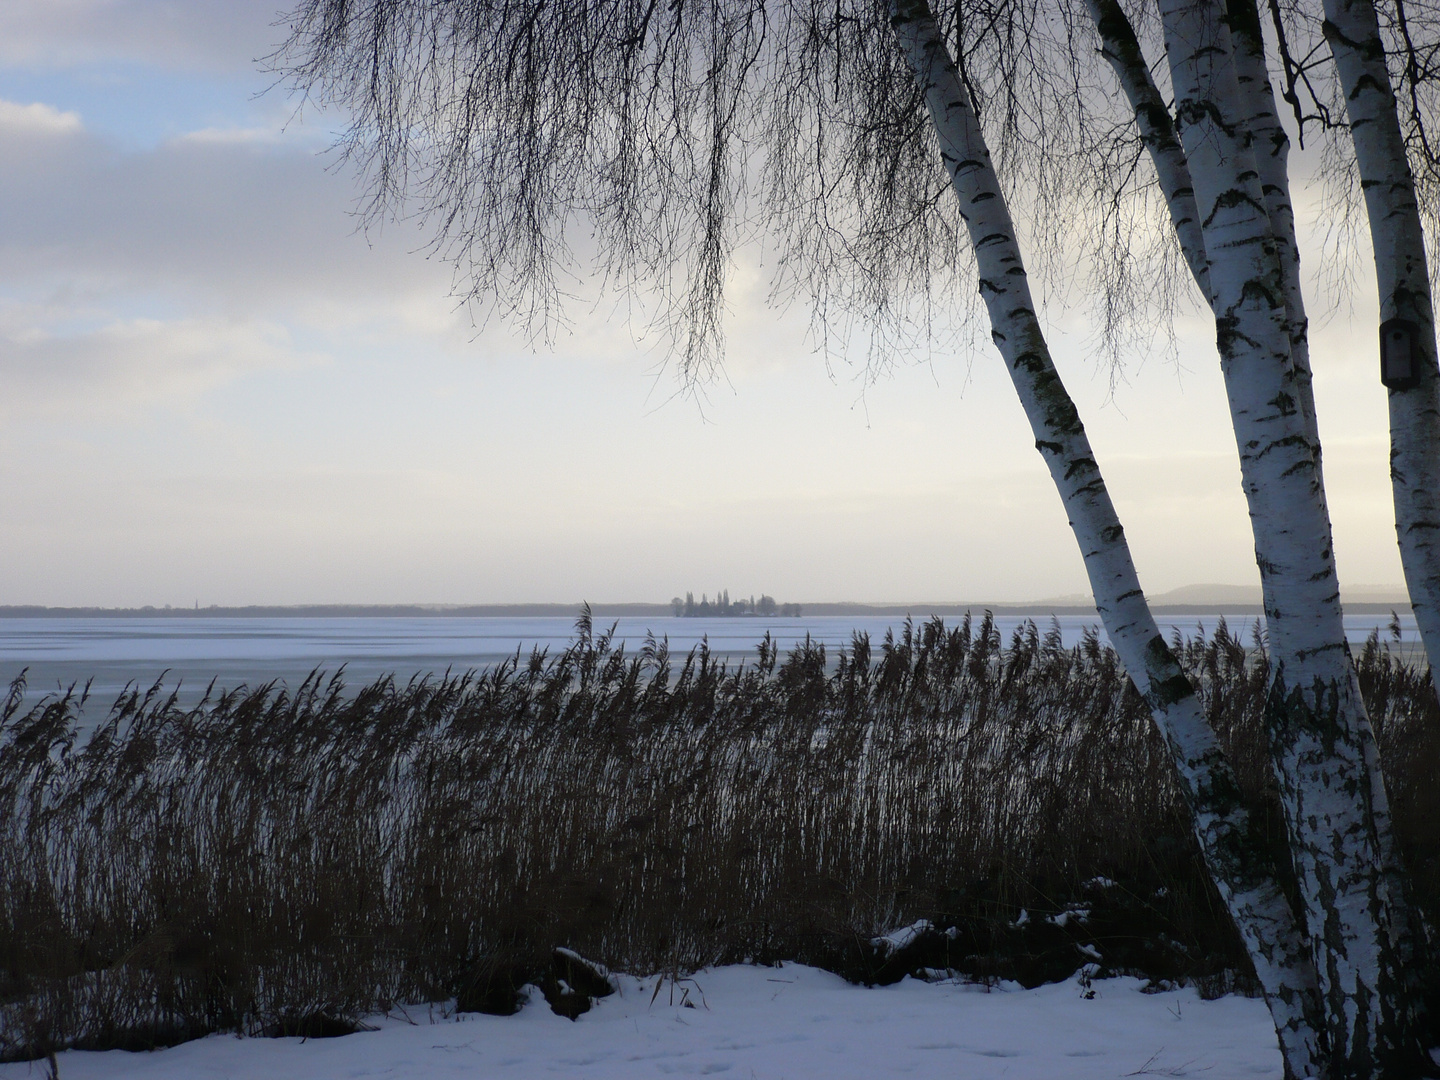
<point x="193" y="650"/>
<point x="758" y="1023"/>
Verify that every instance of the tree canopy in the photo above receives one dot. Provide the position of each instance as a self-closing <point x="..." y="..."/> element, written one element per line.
<point x="645" y="142"/>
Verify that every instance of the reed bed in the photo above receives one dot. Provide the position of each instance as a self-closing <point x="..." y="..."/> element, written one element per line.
<point x="282" y="860"/>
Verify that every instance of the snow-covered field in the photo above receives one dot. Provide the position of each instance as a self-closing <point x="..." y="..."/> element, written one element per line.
<point x="756" y="1023"/>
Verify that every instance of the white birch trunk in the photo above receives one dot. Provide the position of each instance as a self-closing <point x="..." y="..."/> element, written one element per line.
<point x="1121" y="49"/>
<point x="1404" y="283"/>
<point x="1319" y="731"/>
<point x="1271" y="147"/>
<point x="1236" y="859"/>
<point x="1402" y="276"/>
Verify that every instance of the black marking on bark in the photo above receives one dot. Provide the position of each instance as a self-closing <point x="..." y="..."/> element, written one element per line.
<point x="1333" y="34"/>
<point x="1157" y="117"/>
<point x="1167" y="693"/>
<point x="1255" y="289"/>
<point x="1284" y="404"/>
<point x="1115" y="27"/>
<point x="1227" y="335"/>
<point x="1168" y="683"/>
<point x="1229" y="200"/>
<point x="1370" y="82"/>
<point x="1285" y="442"/>
<point x="1198" y="111"/>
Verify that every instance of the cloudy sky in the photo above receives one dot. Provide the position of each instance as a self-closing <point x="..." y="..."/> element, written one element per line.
<point x="214" y="389"/>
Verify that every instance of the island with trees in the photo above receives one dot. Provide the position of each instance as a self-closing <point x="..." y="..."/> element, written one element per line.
<point x="723" y="605"/>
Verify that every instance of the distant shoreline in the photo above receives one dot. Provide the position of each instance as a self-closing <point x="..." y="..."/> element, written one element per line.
<point x="411" y="611"/>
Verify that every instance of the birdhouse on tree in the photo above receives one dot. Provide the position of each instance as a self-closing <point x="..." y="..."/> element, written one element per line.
<point x="1399" y="354"/>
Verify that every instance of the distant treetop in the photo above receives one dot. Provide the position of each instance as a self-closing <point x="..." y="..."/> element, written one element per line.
<point x="723" y="605"/>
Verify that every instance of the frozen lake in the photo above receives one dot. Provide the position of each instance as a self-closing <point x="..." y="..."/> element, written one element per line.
<point x="193" y="650"/>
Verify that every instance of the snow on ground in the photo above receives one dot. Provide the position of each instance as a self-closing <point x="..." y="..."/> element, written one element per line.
<point x="756" y="1023"/>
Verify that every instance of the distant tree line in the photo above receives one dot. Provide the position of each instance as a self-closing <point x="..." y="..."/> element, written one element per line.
<point x="723" y="605"/>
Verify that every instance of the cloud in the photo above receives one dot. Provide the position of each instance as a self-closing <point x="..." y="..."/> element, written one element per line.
<point x="222" y="216"/>
<point x="45" y="362"/>
<point x="172" y="34"/>
<point x="232" y="136"/>
<point x="37" y="118"/>
<point x="240" y="222"/>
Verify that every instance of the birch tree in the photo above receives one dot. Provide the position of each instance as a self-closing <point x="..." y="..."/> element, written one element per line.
<point x="1248" y="886"/>
<point x="853" y="134"/>
<point x="1353" y="33"/>
<point x="1222" y="167"/>
<point x="1384" y="139"/>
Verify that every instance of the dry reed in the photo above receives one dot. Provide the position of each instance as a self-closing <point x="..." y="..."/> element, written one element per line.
<point x="287" y="861"/>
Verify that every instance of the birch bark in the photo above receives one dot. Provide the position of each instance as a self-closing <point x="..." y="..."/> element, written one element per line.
<point x="1271" y="147"/>
<point x="1353" y="33"/>
<point x="1235" y="857"/>
<point x="1402" y="276"/>
<point x="1121" y="49"/>
<point x="1320" y="735"/>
